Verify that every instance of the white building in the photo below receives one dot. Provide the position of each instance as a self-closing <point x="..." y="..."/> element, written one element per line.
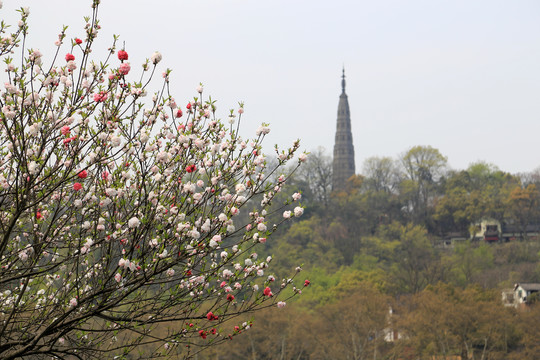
<point x="520" y="295"/>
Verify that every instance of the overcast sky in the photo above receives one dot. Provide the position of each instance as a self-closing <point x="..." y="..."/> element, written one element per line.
<point x="462" y="76"/>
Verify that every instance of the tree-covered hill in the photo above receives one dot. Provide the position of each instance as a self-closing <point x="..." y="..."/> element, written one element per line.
<point x="381" y="245"/>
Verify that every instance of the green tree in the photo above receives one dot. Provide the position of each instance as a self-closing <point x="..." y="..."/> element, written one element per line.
<point x="522" y="207"/>
<point x="423" y="166"/>
<point x="445" y="321"/>
<point x="354" y="326"/>
<point x="381" y="174"/>
<point x="317" y="175"/>
<point x="416" y="263"/>
<point x="468" y="260"/>
<point x="481" y="191"/>
<point x="451" y="209"/>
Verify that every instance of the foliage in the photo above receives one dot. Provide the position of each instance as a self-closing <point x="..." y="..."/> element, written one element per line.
<point x="446" y="321"/>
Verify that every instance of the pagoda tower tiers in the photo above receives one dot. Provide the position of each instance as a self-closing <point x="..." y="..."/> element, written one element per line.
<point x="343" y="164"/>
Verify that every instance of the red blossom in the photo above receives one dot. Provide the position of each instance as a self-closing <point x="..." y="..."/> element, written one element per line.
<point x="191" y="168"/>
<point x="267" y="292"/>
<point x="202" y="333"/>
<point x="230" y="297"/>
<point x="78" y="41"/>
<point x="38" y="215"/>
<point x="122" y="55"/>
<point x="179" y="113"/>
<point x="307" y="282"/>
<point x="70" y="56"/>
<point x="213" y="331"/>
<point x="65" y="130"/>
<point x="77" y="186"/>
<point x="210" y="316"/>
<point x="83" y="174"/>
<point x="188" y="106"/>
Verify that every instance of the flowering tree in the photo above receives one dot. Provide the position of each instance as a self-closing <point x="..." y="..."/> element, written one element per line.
<point x="117" y="213"/>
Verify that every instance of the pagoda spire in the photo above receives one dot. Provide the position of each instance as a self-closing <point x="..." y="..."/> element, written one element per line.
<point x="343" y="163"/>
<point x="343" y="80"/>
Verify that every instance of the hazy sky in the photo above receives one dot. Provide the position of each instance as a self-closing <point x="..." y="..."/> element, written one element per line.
<point x="460" y="75"/>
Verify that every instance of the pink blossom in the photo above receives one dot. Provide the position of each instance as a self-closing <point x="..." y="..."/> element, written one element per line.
<point x="156" y="57"/>
<point x="124" y="68"/>
<point x="281" y="304"/>
<point x="71" y="65"/>
<point x="287" y="214"/>
<point x="65" y="130"/>
<point x="118" y="277"/>
<point x="134" y="222"/>
<point x="262" y="130"/>
<point x="73" y="302"/>
<point x="100" y="96"/>
<point x="23" y="255"/>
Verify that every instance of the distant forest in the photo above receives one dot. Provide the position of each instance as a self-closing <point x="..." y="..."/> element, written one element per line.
<point x="387" y="281"/>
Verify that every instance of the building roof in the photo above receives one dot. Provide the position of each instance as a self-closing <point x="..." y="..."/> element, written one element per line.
<point x="528" y="286"/>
